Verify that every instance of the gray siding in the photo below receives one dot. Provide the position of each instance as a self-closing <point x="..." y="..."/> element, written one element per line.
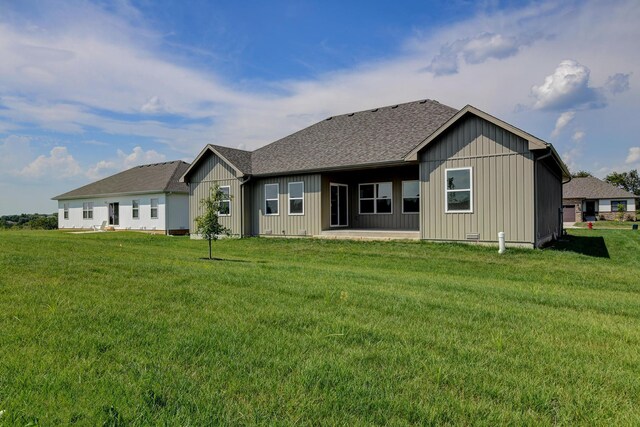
<point x="213" y="170"/>
<point x="284" y="224"/>
<point x="548" y="201"/>
<point x="503" y="190"/>
<point x="394" y="221"/>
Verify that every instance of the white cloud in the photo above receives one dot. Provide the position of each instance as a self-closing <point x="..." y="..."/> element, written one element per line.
<point x="59" y="163"/>
<point x="617" y="83"/>
<point x="578" y="136"/>
<point x="568" y="87"/>
<point x="476" y="50"/>
<point x="123" y="161"/>
<point x="154" y="106"/>
<point x="633" y="156"/>
<point x="563" y="120"/>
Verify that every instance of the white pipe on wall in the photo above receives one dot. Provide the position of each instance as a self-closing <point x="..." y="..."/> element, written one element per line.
<point x="501" y="244"/>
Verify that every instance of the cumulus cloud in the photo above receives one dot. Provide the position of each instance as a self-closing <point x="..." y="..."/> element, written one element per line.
<point x="563" y="120"/>
<point x="476" y="50"/>
<point x="59" y="163"/>
<point x="122" y="161"/>
<point x="567" y="88"/>
<point x="633" y="156"/>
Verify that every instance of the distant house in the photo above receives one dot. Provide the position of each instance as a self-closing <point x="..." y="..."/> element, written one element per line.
<point x="148" y="197"/>
<point x="590" y="199"/>
<point x="418" y="170"/>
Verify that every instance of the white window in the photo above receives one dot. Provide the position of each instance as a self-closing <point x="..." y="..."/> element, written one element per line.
<point x="225" y="203"/>
<point x="296" y="198"/>
<point x="376" y="198"/>
<point x="615" y="205"/>
<point x="154" y="208"/>
<point x="135" y="209"/>
<point x="87" y="210"/>
<point x="271" y="201"/>
<point x="65" y="211"/>
<point x="458" y="190"/>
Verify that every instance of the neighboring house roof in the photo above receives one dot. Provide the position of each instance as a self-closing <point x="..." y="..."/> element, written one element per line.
<point x="590" y="187"/>
<point x="375" y="137"/>
<point x="157" y="177"/>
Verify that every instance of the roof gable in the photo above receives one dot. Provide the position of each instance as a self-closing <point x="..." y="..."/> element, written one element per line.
<point x="590" y="187"/>
<point x="239" y="160"/>
<point x="152" y="178"/>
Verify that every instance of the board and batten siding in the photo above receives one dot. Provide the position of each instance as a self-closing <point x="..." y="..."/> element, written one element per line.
<point x="284" y="224"/>
<point x="397" y="220"/>
<point x="548" y="201"/>
<point x="213" y="170"/>
<point x="502" y="183"/>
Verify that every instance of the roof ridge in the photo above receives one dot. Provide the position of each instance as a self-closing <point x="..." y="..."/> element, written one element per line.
<point x="390" y="107"/>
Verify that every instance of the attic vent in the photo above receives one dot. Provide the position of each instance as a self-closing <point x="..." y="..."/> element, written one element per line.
<point x="374" y="110"/>
<point x="423" y="101"/>
<point x="350" y="114"/>
<point x="329" y="118"/>
<point x="395" y="106"/>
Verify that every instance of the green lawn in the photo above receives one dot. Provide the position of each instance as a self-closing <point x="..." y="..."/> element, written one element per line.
<point x="134" y="329"/>
<point x="608" y="224"/>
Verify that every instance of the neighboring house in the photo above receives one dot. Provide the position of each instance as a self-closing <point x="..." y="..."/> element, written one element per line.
<point x="590" y="199"/>
<point x="148" y="197"/>
<point x="416" y="170"/>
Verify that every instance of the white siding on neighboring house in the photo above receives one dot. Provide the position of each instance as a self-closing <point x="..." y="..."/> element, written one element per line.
<point x="605" y="205"/>
<point x="178" y="213"/>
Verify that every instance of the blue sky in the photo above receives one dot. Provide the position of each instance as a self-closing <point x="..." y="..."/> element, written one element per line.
<point x="91" y="88"/>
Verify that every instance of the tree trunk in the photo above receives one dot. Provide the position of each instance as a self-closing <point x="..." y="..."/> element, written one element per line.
<point x="209" y="248"/>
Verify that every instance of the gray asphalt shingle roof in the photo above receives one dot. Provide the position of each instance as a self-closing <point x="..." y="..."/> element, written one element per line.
<point x="240" y="158"/>
<point x="157" y="177"/>
<point x="592" y="188"/>
<point x="378" y="135"/>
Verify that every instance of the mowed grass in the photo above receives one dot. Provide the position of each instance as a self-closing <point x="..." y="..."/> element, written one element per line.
<point x="607" y="224"/>
<point x="134" y="329"/>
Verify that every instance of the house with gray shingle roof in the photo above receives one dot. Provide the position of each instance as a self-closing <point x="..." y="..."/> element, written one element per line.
<point x="420" y="170"/>
<point x="590" y="199"/>
<point x="148" y="198"/>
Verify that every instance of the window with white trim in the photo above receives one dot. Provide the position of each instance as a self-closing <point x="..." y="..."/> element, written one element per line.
<point x="296" y="198"/>
<point x="154" y="208"/>
<point x="135" y="209"/>
<point x="65" y="210"/>
<point x="271" y="200"/>
<point x="376" y="198"/>
<point x="615" y="205"/>
<point x="410" y="196"/>
<point x="225" y="203"/>
<point x="87" y="210"/>
<point x="458" y="190"/>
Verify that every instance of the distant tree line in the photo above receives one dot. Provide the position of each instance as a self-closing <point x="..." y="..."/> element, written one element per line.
<point x="30" y="221"/>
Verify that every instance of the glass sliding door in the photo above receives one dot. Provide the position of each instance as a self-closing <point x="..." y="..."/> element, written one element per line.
<point x="114" y="213"/>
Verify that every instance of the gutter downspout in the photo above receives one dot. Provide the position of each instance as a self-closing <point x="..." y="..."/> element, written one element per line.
<point x="242" y="183"/>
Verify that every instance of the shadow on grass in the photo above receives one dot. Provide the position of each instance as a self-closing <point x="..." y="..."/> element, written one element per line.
<point x="586" y="245"/>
